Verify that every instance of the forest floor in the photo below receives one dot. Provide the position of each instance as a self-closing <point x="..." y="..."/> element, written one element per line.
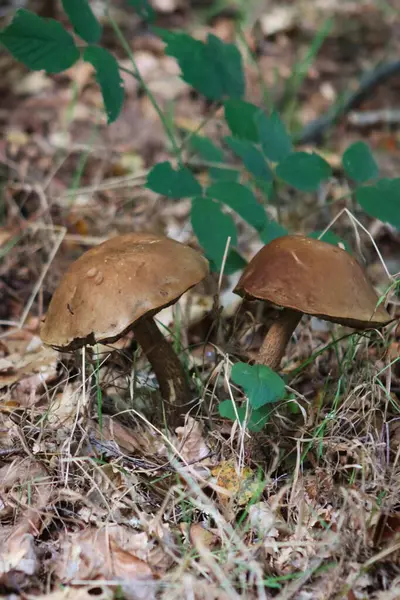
<point x="97" y="496"/>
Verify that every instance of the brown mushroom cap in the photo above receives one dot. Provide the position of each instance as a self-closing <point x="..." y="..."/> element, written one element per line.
<point x="315" y="278"/>
<point x="114" y="284"/>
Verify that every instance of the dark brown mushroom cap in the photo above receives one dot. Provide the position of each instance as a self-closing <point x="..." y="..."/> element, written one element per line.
<point x="112" y="285"/>
<point x="314" y="278"/>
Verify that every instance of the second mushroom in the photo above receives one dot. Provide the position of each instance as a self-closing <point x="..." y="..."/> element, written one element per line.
<point x="300" y="275"/>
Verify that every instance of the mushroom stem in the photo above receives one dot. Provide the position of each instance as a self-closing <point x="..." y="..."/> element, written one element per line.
<point x="277" y="338"/>
<point x="166" y="366"/>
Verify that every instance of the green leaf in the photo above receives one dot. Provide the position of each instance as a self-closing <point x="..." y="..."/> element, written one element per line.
<point x="108" y="78"/>
<point x="256" y="419"/>
<point x="174" y="184"/>
<point x="252" y="158"/>
<point x="228" y="65"/>
<point x="206" y="148"/>
<point x="274" y="138"/>
<point x="382" y="200"/>
<point x="330" y="238"/>
<point x="261" y="384"/>
<point x="213" y="68"/>
<point x="359" y="163"/>
<point x="144" y="9"/>
<point x="242" y="200"/>
<point x="265" y="187"/>
<point x="39" y="43"/>
<point x="222" y="174"/>
<point x="304" y="171"/>
<point x="271" y="231"/>
<point x="212" y="228"/>
<point x="240" y="117"/>
<point x="234" y="262"/>
<point x="83" y="20"/>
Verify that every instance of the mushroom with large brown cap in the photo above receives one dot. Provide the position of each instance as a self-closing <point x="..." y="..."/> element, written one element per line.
<point x="302" y="275"/>
<point x="119" y="285"/>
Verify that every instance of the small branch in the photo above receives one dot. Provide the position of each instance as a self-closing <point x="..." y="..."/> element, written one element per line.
<point x="369" y="118"/>
<point x="314" y="131"/>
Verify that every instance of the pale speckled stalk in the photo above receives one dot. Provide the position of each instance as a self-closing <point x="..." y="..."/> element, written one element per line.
<point x="277" y="338"/>
<point x="166" y="366"/>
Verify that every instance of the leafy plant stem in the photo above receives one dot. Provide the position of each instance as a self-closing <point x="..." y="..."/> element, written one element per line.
<point x="276" y="199"/>
<point x="200" y="126"/>
<point x="121" y="38"/>
<point x="129" y="71"/>
<point x="82" y="164"/>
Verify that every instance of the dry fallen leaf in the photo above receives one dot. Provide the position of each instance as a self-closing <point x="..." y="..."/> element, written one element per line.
<point x="111" y="554"/>
<point x="17" y="551"/>
<point x="102" y="592"/>
<point x="139" y="441"/>
<point x="29" y="371"/>
<point x="26" y="488"/>
<point x="25" y="493"/>
<point x="262" y="520"/>
<point x="192" y="446"/>
<point x="201" y="538"/>
<point x="63" y="409"/>
<point x="197" y="589"/>
<point x="242" y="484"/>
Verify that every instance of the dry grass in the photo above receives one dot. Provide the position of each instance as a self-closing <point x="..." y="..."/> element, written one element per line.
<point x="307" y="509"/>
<point x="97" y="496"/>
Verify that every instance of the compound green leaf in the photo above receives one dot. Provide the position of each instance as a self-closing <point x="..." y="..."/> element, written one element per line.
<point x="144" y="9"/>
<point x="206" y="148"/>
<point x="224" y="174"/>
<point x="271" y="231"/>
<point x="260" y="383"/>
<point x="265" y="187"/>
<point x="382" y="200"/>
<point x="275" y="140"/>
<point x="228" y="66"/>
<point x="359" y="163"/>
<point x="213" y="68"/>
<point x="83" y="20"/>
<point x="304" y="171"/>
<point x="234" y="262"/>
<point x="213" y="228"/>
<point x="108" y="78"/>
<point x="240" y="117"/>
<point x="252" y="158"/>
<point x="330" y="238"/>
<point x="181" y="183"/>
<point x="39" y="43"/>
<point x="242" y="200"/>
<point x="256" y="419"/>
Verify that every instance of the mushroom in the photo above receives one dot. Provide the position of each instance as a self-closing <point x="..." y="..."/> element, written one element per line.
<point x="120" y="285"/>
<point x="302" y="275"/>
